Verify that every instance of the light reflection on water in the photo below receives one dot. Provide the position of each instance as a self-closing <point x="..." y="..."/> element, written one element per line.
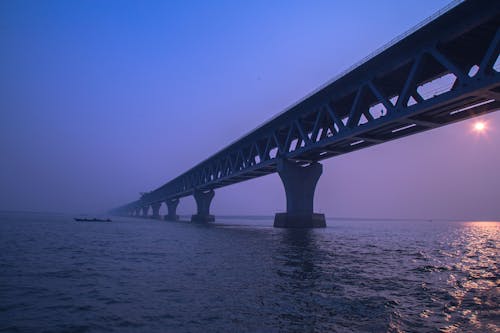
<point x="243" y="275"/>
<point x="475" y="277"/>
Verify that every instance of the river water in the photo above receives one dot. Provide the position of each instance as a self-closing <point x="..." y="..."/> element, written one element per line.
<point x="242" y="275"/>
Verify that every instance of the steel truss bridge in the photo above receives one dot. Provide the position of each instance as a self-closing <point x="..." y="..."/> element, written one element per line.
<point x="443" y="71"/>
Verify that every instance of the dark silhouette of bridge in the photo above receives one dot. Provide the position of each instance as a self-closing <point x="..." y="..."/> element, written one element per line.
<point x="443" y="71"/>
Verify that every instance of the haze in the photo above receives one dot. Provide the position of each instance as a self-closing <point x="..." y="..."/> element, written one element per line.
<point x="102" y="100"/>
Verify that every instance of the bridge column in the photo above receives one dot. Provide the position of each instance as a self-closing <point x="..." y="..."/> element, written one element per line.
<point x="300" y="183"/>
<point x="145" y="211"/>
<point x="203" y="200"/>
<point x="156" y="210"/>
<point x="137" y="212"/>
<point x="172" y="207"/>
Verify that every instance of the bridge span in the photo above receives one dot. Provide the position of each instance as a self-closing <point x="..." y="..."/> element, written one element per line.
<point x="444" y="70"/>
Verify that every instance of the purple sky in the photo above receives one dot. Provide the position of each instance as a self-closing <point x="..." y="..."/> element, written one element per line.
<point x="100" y="100"/>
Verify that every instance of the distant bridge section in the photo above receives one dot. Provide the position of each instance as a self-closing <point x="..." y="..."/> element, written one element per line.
<point x="445" y="70"/>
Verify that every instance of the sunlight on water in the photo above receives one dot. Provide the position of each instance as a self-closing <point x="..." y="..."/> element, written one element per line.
<point x="477" y="274"/>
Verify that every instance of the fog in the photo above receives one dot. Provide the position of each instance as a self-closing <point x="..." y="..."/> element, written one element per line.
<point x="102" y="100"/>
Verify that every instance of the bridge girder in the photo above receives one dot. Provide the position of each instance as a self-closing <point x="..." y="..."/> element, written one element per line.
<point x="385" y="98"/>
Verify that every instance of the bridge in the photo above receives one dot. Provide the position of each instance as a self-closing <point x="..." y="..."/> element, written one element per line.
<point x="442" y="71"/>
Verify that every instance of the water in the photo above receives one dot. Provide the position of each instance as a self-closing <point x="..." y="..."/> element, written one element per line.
<point x="135" y="275"/>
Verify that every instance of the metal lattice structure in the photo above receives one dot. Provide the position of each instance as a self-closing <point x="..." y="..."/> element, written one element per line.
<point x="391" y="95"/>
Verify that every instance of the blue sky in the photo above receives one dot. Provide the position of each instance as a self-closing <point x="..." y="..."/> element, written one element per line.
<point x="100" y="100"/>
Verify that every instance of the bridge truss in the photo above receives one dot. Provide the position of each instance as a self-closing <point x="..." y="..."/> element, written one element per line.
<point x="444" y="72"/>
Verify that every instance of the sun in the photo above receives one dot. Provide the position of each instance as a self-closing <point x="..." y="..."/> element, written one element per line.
<point x="479" y="127"/>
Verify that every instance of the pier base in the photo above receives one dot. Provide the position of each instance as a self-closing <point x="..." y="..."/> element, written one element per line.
<point x="300" y="183"/>
<point x="202" y="218"/>
<point x="203" y="200"/>
<point x="286" y="220"/>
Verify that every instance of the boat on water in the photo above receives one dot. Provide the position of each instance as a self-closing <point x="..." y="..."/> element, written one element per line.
<point x="86" y="219"/>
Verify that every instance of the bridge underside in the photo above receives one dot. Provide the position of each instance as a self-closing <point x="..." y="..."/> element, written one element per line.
<point x="445" y="72"/>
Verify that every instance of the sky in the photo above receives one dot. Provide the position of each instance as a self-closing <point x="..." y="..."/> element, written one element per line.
<point x="101" y="100"/>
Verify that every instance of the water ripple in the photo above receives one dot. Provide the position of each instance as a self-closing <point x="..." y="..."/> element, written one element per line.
<point x="355" y="276"/>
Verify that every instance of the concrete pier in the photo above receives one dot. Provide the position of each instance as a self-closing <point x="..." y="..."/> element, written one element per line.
<point x="172" y="208"/>
<point x="299" y="183"/>
<point x="203" y="200"/>
<point x="156" y="210"/>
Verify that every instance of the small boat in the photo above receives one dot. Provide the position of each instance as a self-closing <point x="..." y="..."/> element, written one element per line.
<point x="84" y="219"/>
